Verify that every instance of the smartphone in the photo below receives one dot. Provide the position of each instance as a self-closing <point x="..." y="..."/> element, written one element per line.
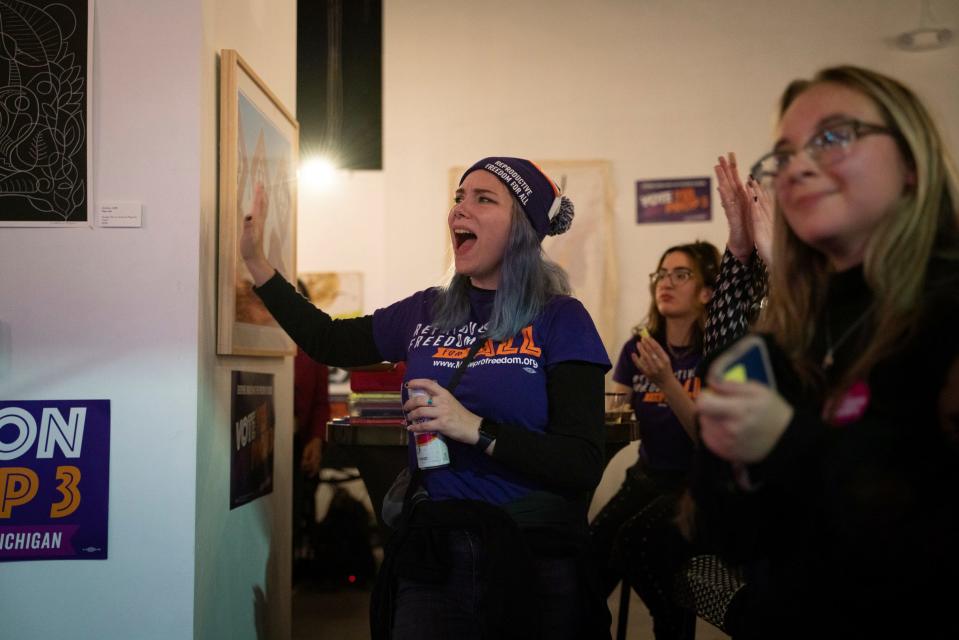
<point x="746" y="359"/>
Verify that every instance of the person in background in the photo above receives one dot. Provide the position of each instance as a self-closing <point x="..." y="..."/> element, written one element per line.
<point x="847" y="515"/>
<point x="311" y="412"/>
<point x="658" y="368"/>
<point x="496" y="548"/>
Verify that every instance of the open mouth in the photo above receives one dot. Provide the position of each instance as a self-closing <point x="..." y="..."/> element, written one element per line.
<point x="464" y="239"/>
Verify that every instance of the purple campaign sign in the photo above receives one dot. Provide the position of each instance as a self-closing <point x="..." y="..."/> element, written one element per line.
<point x="673" y="200"/>
<point x="251" y="437"/>
<point x="54" y="479"/>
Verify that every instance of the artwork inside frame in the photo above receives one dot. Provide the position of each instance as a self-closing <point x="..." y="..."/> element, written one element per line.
<point x="339" y="294"/>
<point x="258" y="146"/>
<point x="45" y="113"/>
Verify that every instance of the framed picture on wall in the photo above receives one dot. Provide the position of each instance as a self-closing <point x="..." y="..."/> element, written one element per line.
<point x="258" y="147"/>
<point x="45" y="106"/>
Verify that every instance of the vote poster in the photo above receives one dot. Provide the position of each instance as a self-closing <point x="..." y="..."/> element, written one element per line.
<point x="54" y="479"/>
<point x="252" y="425"/>
<point x="673" y="200"/>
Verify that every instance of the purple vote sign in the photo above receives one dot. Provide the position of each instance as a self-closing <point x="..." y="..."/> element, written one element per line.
<point x="251" y="437"/>
<point x="673" y="200"/>
<point x="54" y="479"/>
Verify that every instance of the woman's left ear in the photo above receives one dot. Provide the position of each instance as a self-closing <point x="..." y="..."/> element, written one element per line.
<point x="705" y="295"/>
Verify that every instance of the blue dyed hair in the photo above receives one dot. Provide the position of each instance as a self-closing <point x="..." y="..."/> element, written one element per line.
<point x="528" y="280"/>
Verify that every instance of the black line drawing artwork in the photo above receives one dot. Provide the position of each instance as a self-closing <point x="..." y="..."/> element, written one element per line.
<point x="43" y="112"/>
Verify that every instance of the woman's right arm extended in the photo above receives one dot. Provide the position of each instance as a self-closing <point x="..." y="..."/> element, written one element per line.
<point x="340" y="343"/>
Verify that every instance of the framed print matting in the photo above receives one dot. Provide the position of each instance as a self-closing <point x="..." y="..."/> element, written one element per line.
<point x="45" y="113"/>
<point x="258" y="147"/>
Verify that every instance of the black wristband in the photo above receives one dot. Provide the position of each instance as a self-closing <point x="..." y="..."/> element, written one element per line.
<point x="485" y="440"/>
<point x="490" y="427"/>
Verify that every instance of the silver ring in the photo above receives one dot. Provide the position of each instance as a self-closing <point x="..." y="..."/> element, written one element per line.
<point x="429" y="401"/>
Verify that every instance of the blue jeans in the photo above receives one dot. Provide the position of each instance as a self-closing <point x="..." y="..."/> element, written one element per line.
<point x="425" y="611"/>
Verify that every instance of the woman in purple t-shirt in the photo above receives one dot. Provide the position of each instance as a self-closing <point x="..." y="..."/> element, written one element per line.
<point x="496" y="549"/>
<point x="658" y="367"/>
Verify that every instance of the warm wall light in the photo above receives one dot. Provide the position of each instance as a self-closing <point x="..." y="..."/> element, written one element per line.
<point x="317" y="172"/>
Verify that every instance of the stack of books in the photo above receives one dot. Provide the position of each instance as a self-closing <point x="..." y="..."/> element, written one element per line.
<point x="375" y="396"/>
<point x="376" y="407"/>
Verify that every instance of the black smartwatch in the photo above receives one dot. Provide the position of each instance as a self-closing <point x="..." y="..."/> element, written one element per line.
<point x="485" y="440"/>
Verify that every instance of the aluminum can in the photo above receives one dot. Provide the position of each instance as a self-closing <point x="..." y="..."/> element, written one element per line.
<point x="431" y="449"/>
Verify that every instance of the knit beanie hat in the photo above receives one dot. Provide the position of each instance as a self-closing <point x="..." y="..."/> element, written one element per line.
<point x="549" y="211"/>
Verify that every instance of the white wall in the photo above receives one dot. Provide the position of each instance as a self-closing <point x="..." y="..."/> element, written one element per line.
<point x="342" y="227"/>
<point x="659" y="88"/>
<point x="112" y="313"/>
<point x="243" y="556"/>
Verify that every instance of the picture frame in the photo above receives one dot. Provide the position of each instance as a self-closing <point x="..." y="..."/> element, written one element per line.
<point x="47" y="165"/>
<point x="259" y="144"/>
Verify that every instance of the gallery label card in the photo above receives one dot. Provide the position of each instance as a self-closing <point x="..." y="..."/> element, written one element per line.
<point x="120" y="214"/>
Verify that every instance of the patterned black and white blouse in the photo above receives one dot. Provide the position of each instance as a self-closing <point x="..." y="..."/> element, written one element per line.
<point x="739" y="295"/>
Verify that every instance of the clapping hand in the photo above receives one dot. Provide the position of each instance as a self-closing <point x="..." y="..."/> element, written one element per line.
<point x="761" y="220"/>
<point x="652" y="361"/>
<point x="749" y="212"/>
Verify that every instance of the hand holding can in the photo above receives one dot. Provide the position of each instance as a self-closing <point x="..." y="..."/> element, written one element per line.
<point x="431" y="449"/>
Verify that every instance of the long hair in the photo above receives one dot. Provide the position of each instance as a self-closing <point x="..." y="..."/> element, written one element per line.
<point x="528" y="280"/>
<point x="704" y="257"/>
<point x="921" y="224"/>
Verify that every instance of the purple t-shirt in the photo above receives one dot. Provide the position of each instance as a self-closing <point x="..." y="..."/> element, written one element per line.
<point x="665" y="445"/>
<point x="505" y="382"/>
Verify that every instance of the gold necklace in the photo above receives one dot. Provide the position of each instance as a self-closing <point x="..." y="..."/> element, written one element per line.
<point x="827" y="360"/>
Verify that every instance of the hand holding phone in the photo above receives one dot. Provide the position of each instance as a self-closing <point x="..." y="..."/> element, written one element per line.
<point x="746" y="360"/>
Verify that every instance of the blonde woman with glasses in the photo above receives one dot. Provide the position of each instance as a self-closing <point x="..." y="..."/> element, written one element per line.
<point x="847" y="516"/>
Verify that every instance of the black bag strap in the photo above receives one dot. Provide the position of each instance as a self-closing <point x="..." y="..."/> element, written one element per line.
<point x="460" y="370"/>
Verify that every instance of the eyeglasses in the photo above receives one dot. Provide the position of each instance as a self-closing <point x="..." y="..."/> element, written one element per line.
<point x="676" y="276"/>
<point x="826" y="147"/>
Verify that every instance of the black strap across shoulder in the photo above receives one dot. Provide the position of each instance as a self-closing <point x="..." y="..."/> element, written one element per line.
<point x="460" y="370"/>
